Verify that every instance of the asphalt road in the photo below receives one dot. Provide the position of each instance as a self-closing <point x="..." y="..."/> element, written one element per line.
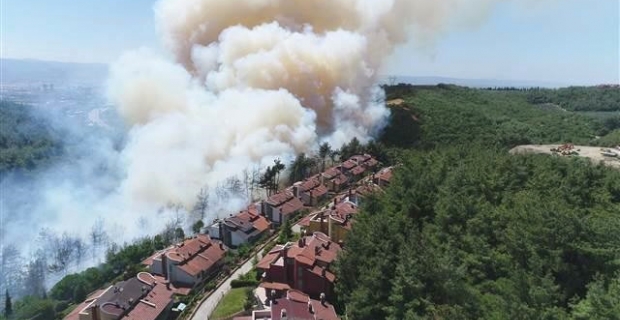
<point x="208" y="306"/>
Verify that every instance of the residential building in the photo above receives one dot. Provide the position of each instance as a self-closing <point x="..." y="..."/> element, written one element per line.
<point x="295" y="306"/>
<point x="189" y="263"/>
<point x="303" y="265"/>
<point x="281" y="206"/>
<point x="311" y="191"/>
<point x="334" y="179"/>
<point x="144" y="297"/>
<point x="366" y="161"/>
<point x="334" y="221"/>
<point x="383" y="177"/>
<point x="248" y="226"/>
<point x="356" y="167"/>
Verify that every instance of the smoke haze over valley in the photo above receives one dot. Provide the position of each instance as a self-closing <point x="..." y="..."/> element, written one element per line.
<point x="242" y="83"/>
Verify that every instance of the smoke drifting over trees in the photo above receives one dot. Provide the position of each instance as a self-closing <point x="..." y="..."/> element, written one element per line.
<point x="248" y="82"/>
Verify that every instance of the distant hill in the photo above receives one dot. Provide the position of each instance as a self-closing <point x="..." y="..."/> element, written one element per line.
<point x="17" y="71"/>
<point x="473" y="83"/>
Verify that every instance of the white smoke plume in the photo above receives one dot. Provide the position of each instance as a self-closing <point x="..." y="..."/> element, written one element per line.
<point x="254" y="80"/>
<point x="245" y="82"/>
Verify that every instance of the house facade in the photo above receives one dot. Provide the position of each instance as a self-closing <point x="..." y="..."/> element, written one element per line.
<point x="311" y="191"/>
<point x="281" y="206"/>
<point x="144" y="297"/>
<point x="334" y="221"/>
<point x="190" y="262"/>
<point x="246" y="227"/>
<point x="303" y="265"/>
<point x="295" y="305"/>
<point x="334" y="179"/>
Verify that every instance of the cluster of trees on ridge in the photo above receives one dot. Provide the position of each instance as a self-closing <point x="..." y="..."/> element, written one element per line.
<point x="26" y="141"/>
<point x="451" y="115"/>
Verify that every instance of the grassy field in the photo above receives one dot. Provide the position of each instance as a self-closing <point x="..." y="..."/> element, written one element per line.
<point x="230" y="304"/>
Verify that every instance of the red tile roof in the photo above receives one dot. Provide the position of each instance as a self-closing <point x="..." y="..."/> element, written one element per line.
<point x="269" y="258"/>
<point x="197" y="254"/>
<point x="331" y="172"/>
<point x="155" y="302"/>
<point x="349" y="164"/>
<point x="249" y="217"/>
<point x="313" y="186"/>
<point x="280" y="197"/>
<point x="133" y="302"/>
<point x="291" y="206"/>
<point x="367" y="189"/>
<point x="317" y="247"/>
<point x="299" y="306"/>
<point x="358" y="170"/>
<point x="339" y="213"/>
<point x="275" y="286"/>
<point x="385" y="174"/>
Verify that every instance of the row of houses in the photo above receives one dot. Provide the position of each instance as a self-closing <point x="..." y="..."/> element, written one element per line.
<point x="175" y="270"/>
<point x="248" y="226"/>
<point x="294" y="274"/>
<point x="297" y="277"/>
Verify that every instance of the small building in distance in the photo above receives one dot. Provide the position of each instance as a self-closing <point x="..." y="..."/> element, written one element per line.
<point x="190" y="262"/>
<point x="246" y="227"/>
<point x="310" y="191"/>
<point x="383" y="177"/>
<point x="281" y="206"/>
<point x="303" y="265"/>
<point x="144" y="297"/>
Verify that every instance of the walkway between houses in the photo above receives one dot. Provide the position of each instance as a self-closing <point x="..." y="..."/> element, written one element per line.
<point x="208" y="306"/>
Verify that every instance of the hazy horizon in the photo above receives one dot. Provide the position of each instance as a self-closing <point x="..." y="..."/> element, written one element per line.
<point x="570" y="42"/>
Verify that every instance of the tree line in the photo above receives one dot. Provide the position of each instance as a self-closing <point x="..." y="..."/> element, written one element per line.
<point x="475" y="233"/>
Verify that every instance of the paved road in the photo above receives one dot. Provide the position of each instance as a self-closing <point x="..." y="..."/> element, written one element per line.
<point x="207" y="307"/>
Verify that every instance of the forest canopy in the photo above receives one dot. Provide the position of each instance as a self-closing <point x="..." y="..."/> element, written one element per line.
<point x="476" y="233"/>
<point x="468" y="231"/>
<point x="26" y="142"/>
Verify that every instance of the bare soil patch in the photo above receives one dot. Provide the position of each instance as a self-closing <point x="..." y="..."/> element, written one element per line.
<point x="593" y="153"/>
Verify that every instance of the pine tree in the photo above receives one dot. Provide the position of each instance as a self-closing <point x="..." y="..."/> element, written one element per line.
<point x="8" y="305"/>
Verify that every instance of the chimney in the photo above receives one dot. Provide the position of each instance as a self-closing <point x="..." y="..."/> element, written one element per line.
<point x="283" y="314"/>
<point x="317" y="250"/>
<point x="221" y="246"/>
<point x="300" y="242"/>
<point x="310" y="309"/>
<point x="322" y="297"/>
<point x="94" y="311"/>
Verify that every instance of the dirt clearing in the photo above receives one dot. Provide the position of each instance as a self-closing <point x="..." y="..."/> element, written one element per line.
<point x="593" y="153"/>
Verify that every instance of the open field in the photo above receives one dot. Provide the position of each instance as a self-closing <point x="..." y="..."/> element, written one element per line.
<point x="592" y="153"/>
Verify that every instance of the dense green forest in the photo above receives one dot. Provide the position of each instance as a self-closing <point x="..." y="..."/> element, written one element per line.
<point x="26" y="142"/>
<point x="468" y="231"/>
<point x="601" y="98"/>
<point x="443" y="115"/>
<point x="475" y="233"/>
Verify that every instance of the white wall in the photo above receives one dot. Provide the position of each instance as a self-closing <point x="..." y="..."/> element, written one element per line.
<point x="214" y="231"/>
<point x="235" y="238"/>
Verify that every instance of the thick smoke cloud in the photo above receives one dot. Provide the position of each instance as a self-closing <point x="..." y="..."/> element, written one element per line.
<point x="245" y="82"/>
<point x="254" y="80"/>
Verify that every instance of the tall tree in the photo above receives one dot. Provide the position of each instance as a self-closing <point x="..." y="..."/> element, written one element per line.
<point x="324" y="151"/>
<point x="300" y="167"/>
<point x="202" y="203"/>
<point x="8" y="305"/>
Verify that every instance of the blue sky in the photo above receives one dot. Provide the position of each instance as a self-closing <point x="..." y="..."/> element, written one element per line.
<point x="566" y="41"/>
